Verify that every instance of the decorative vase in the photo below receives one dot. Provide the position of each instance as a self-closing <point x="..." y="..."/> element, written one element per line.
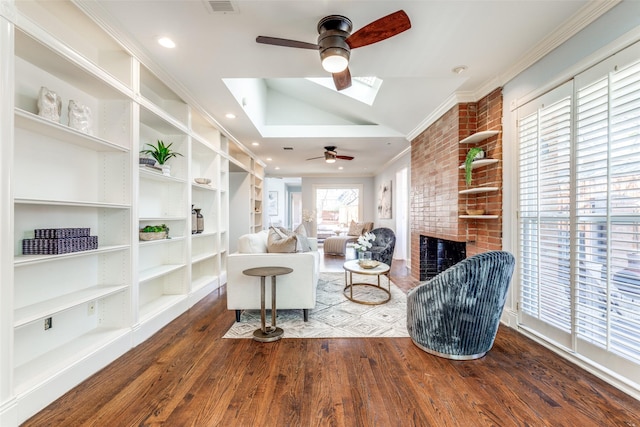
<point x="194" y="220"/>
<point x="80" y="117"/>
<point x="364" y="255"/>
<point x="199" y="221"/>
<point x="166" y="169"/>
<point x="49" y="104"/>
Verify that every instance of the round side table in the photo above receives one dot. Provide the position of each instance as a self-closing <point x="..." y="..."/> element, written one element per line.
<point x="267" y="333"/>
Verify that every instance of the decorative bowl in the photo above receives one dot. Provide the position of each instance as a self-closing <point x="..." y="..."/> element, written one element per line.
<point x="475" y="211"/>
<point x="202" y="180"/>
<point x="369" y="263"/>
<point x="153" y="235"/>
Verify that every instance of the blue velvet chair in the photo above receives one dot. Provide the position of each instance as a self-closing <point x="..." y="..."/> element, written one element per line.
<point x="383" y="246"/>
<point x="456" y="314"/>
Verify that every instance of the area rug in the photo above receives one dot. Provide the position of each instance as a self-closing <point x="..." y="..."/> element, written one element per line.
<point x="334" y="315"/>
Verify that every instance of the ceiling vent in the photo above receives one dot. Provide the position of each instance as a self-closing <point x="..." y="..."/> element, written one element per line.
<point x="287" y="148"/>
<point x="221" y="6"/>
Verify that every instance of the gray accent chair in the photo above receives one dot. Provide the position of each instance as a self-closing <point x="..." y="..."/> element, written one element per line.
<point x="383" y="246"/>
<point x="456" y="314"/>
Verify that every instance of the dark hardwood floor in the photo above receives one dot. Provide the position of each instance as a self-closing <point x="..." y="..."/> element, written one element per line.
<point x="187" y="375"/>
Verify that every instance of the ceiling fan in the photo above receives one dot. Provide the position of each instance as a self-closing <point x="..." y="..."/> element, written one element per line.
<point x="330" y="155"/>
<point x="335" y="41"/>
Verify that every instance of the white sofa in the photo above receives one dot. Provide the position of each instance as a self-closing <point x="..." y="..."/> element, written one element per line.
<point x="296" y="290"/>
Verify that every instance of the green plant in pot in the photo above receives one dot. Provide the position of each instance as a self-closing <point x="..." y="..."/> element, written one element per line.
<point x="161" y="153"/>
<point x="154" y="232"/>
<point x="475" y="152"/>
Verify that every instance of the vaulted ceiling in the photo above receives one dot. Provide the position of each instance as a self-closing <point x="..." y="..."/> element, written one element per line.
<point x="282" y="97"/>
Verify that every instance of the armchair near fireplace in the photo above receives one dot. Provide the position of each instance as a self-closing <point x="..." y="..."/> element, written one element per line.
<point x="457" y="313"/>
<point x="383" y="246"/>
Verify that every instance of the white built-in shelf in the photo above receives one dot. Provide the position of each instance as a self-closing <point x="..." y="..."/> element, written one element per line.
<point x="478" y="190"/>
<point x="71" y="203"/>
<point x="35" y="123"/>
<point x="204" y="234"/>
<point x="55" y="361"/>
<point x="158" y="305"/>
<point x="161" y="219"/>
<point x="479" y="216"/>
<point x="22" y="260"/>
<point x="479" y="136"/>
<point x="40" y="310"/>
<point x="144" y="243"/>
<point x="152" y="173"/>
<point x="202" y="257"/>
<point x="207" y="187"/>
<point x="480" y="163"/>
<point x="203" y="281"/>
<point x="158" y="271"/>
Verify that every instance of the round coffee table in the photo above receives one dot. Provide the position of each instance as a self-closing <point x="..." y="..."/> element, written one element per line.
<point x="352" y="267"/>
<point x="267" y="333"/>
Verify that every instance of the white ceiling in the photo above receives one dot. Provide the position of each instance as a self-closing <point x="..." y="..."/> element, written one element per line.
<point x="277" y="107"/>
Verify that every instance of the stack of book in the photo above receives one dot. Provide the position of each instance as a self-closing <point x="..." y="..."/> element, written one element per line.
<point x="55" y="241"/>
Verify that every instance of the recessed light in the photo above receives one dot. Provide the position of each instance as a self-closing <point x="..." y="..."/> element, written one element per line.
<point x="166" y="42"/>
<point x="341" y="167"/>
<point x="255" y="144"/>
<point x="277" y="168"/>
<point x="230" y="116"/>
<point x="269" y="159"/>
<point x="459" y="69"/>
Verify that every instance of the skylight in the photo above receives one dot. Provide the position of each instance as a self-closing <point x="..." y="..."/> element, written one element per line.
<point x="363" y="89"/>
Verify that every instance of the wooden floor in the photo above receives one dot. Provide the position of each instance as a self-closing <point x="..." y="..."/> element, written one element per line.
<point x="187" y="375"/>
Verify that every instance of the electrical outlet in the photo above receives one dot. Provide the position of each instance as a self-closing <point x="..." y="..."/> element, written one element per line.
<point x="48" y="323"/>
<point x="91" y="308"/>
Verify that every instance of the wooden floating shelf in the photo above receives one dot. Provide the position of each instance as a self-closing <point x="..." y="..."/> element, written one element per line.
<point x="479" y="216"/>
<point x="479" y="136"/>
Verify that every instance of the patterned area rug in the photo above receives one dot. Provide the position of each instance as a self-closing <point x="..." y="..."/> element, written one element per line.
<point x="334" y="315"/>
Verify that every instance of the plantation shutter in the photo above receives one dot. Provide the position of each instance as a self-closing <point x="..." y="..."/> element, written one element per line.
<point x="579" y="214"/>
<point x="545" y="143"/>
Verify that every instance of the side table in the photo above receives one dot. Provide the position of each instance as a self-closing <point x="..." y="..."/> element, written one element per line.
<point x="267" y="333"/>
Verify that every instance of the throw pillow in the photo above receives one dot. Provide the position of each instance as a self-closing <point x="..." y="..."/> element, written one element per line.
<point x="302" y="240"/>
<point x="253" y="243"/>
<point x="277" y="244"/>
<point x="356" y="228"/>
<point x="302" y="230"/>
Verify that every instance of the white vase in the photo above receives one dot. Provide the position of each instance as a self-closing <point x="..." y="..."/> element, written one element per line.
<point x="166" y="169"/>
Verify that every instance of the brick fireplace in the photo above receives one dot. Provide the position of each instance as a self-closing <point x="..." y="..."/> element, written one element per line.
<point x="436" y="180"/>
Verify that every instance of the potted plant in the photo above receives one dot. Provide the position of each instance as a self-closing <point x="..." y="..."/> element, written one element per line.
<point x="161" y="153"/>
<point x="154" y="232"/>
<point x="472" y="154"/>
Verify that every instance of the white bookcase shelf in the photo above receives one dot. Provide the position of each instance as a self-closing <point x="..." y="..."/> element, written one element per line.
<point x="98" y="303"/>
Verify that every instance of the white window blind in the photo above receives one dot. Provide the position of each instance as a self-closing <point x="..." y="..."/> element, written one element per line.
<point x="579" y="214"/>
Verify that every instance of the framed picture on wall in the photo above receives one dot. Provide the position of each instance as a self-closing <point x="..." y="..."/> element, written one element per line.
<point x="272" y="203"/>
<point x="384" y="200"/>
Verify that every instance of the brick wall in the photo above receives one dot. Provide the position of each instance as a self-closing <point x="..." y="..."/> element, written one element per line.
<point x="436" y="179"/>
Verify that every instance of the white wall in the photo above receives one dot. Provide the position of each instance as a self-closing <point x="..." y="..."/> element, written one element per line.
<point x="384" y="176"/>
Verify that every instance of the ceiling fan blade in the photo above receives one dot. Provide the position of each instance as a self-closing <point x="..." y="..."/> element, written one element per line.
<point x="314" y="158"/>
<point x="342" y="80"/>
<point x="381" y="29"/>
<point x="286" y="43"/>
<point x="345" y="157"/>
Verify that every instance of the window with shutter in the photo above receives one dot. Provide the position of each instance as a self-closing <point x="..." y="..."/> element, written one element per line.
<point x="579" y="214"/>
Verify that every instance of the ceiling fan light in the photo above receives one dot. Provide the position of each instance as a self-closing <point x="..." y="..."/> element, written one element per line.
<point x="334" y="60"/>
<point x="329" y="157"/>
